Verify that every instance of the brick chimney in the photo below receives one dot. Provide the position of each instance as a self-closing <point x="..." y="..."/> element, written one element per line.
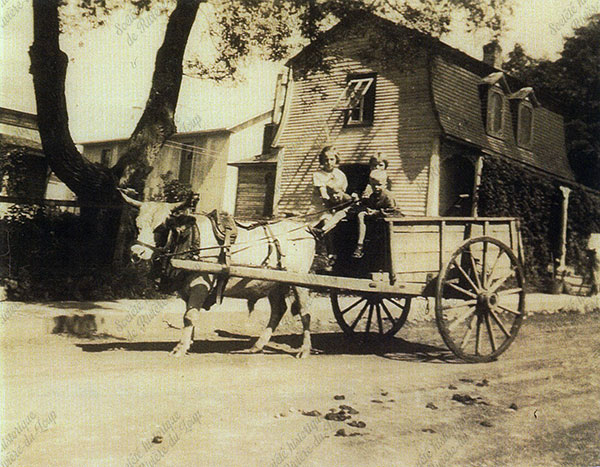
<point x="492" y="54"/>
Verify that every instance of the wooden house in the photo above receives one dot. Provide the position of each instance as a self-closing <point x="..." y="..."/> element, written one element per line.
<point x="433" y="111"/>
<point x="199" y="158"/>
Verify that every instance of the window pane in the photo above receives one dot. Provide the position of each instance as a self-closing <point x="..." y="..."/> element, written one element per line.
<point x="360" y="99"/>
<point x="496" y="112"/>
<point x="525" y="124"/>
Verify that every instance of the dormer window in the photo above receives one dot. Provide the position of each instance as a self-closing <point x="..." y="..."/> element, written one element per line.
<point x="522" y="104"/>
<point x="493" y="90"/>
<point x="525" y="125"/>
<point x="495" y="112"/>
<point x="359" y="100"/>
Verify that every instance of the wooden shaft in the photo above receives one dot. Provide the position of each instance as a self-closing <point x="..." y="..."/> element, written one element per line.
<point x="300" y="279"/>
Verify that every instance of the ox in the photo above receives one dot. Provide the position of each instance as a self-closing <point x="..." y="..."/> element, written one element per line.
<point x="253" y="247"/>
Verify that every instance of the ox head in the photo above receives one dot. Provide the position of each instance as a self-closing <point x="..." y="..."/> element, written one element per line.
<point x="151" y="217"/>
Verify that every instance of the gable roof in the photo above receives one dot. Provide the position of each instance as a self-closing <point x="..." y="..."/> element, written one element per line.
<point x="236" y="125"/>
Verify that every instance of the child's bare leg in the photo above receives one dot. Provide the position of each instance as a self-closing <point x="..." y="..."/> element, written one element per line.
<point x="362" y="231"/>
<point x="333" y="220"/>
<point x="362" y="227"/>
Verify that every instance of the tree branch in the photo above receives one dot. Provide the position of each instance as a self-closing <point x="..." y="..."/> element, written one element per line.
<point x="157" y="122"/>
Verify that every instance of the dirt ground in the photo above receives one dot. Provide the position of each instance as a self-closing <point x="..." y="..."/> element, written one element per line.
<point x="105" y="401"/>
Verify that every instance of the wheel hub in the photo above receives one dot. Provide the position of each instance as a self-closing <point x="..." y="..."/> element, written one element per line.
<point x="487" y="301"/>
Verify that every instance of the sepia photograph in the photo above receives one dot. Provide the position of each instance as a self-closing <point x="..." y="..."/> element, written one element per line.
<point x="284" y="233"/>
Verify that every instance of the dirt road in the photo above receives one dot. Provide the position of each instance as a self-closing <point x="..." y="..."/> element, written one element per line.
<point x="105" y="402"/>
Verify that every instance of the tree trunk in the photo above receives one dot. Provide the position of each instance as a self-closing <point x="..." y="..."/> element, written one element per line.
<point x="93" y="183"/>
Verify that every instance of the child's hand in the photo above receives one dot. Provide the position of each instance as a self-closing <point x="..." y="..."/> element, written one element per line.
<point x="371" y="212"/>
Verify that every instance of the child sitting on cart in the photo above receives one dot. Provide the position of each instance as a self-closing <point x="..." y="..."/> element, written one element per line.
<point x="378" y="204"/>
<point x="380" y="163"/>
<point x="330" y="197"/>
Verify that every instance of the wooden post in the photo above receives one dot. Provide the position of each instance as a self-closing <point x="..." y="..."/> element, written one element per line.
<point x="476" y="183"/>
<point x="433" y="186"/>
<point x="563" y="226"/>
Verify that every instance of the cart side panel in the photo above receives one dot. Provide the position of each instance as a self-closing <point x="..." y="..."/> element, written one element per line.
<point x="415" y="249"/>
<point x="415" y="244"/>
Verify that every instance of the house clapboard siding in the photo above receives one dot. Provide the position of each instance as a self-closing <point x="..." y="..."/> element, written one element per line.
<point x="404" y="127"/>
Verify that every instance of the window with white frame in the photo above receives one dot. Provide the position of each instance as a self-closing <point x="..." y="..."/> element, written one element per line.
<point x="525" y="124"/>
<point x="359" y="99"/>
<point x="495" y="112"/>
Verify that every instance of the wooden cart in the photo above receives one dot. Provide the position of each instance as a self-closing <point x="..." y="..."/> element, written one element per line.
<point x="471" y="265"/>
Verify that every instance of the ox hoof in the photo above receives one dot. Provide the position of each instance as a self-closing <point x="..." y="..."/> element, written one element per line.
<point x="304" y="353"/>
<point x="179" y="351"/>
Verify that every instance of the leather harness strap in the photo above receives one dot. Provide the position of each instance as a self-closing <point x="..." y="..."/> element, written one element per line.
<point x="273" y="240"/>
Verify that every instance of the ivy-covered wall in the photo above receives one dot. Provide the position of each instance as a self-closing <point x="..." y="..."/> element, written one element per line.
<point x="23" y="172"/>
<point x="508" y="189"/>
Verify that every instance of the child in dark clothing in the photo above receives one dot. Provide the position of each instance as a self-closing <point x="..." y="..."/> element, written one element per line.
<point x="379" y="203"/>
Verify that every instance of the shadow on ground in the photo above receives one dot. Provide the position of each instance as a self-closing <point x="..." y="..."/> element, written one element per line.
<point x="323" y="344"/>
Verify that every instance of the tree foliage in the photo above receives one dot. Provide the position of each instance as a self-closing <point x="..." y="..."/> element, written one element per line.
<point x="574" y="79"/>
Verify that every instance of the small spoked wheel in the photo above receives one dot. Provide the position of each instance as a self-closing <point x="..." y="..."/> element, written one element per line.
<point x="370" y="313"/>
<point x="480" y="299"/>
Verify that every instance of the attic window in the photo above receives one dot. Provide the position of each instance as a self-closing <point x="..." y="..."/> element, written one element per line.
<point x="525" y="125"/>
<point x="359" y="100"/>
<point x="522" y="104"/>
<point x="495" y="112"/>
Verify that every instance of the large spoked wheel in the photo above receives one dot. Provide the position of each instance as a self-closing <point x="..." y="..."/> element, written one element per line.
<point x="370" y="313"/>
<point x="480" y="299"/>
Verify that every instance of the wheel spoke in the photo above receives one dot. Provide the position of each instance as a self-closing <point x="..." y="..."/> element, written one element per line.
<point x="466" y="292"/>
<point x="510" y="310"/>
<point x="494" y="265"/>
<point x="379" y="320"/>
<point x="478" y="335"/>
<point x="387" y="312"/>
<point x="396" y="303"/>
<point x="483" y="264"/>
<point x="462" y="305"/>
<point x="360" y="315"/>
<point x="371" y="306"/>
<point x="345" y="310"/>
<point x="461" y="318"/>
<point x="510" y="291"/>
<point x="467" y="334"/>
<point x="499" y="323"/>
<point x="479" y="284"/>
<point x="490" y="333"/>
<point x="496" y="285"/>
<point x="465" y="274"/>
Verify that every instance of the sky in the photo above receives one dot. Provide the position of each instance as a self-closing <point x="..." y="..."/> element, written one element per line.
<point x="110" y="71"/>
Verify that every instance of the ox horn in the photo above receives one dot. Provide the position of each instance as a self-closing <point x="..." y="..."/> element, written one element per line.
<point x="133" y="202"/>
<point x="178" y="205"/>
